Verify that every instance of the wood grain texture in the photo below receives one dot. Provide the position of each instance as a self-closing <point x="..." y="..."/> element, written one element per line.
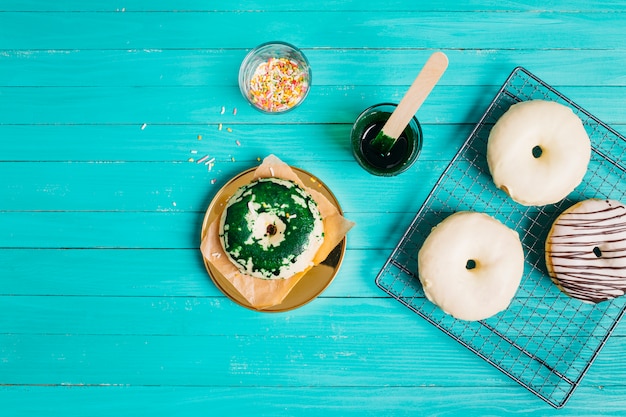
<point x="346" y="67"/>
<point x="309" y="5"/>
<point x="393" y="29"/>
<point x="169" y="105"/>
<point x="178" y="143"/>
<point x="307" y="401"/>
<point x="105" y="305"/>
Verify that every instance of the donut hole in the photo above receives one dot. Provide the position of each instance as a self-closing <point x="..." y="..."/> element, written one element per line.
<point x="597" y="251"/>
<point x="537" y="151"/>
<point x="471" y="264"/>
<point x="271" y="229"/>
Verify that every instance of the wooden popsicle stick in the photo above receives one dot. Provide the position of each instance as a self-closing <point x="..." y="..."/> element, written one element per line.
<point x="420" y="89"/>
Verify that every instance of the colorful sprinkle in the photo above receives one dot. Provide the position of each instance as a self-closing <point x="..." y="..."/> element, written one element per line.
<point x="210" y="161"/>
<point x="193" y="151"/>
<point x="228" y="129"/>
<point x="238" y="143"/>
<point x="235" y="111"/>
<point x="223" y="110"/>
<point x="190" y="160"/>
<point x="213" y="181"/>
<point x="199" y="137"/>
<point x="278" y="85"/>
<point x="201" y="160"/>
<point x="143" y="126"/>
<point x="219" y="127"/>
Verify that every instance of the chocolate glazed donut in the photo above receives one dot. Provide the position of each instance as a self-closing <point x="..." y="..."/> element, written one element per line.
<point x="586" y="250"/>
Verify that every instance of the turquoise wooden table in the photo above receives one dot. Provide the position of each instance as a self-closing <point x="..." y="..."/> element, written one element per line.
<point x="106" y="307"/>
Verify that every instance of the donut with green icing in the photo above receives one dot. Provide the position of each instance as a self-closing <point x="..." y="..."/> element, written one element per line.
<point x="271" y="229"/>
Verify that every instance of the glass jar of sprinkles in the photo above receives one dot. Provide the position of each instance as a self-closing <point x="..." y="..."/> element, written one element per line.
<point x="275" y="77"/>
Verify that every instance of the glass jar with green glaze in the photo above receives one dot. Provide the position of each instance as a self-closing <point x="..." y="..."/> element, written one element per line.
<point x="403" y="153"/>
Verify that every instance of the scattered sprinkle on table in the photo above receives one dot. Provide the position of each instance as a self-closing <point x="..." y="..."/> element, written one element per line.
<point x="213" y="181"/>
<point x="278" y="85"/>
<point x="201" y="160"/>
<point x="143" y="126"/>
<point x="223" y="110"/>
<point x="228" y="129"/>
<point x="219" y="127"/>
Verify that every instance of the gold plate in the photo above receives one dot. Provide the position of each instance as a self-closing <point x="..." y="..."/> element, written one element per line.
<point x="312" y="284"/>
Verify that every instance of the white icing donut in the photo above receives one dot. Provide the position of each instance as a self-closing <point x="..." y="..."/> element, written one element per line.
<point x="471" y="265"/>
<point x="538" y="152"/>
<point x="586" y="250"/>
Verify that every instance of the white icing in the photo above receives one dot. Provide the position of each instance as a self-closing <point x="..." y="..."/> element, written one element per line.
<point x="481" y="292"/>
<point x="258" y="223"/>
<point x="565" y="145"/>
<point x="299" y="200"/>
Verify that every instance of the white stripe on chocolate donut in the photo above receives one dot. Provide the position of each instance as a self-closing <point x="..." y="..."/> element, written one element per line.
<point x="586" y="250"/>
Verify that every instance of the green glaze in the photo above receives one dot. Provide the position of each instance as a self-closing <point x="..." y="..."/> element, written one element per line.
<point x="383" y="143"/>
<point x="378" y="153"/>
<point x="287" y="204"/>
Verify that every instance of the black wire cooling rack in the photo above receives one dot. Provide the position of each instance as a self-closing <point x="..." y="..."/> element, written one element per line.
<point x="545" y="340"/>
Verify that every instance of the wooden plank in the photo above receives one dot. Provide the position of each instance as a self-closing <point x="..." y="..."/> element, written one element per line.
<point x="176" y="105"/>
<point x="140" y="315"/>
<point x="230" y="360"/>
<point x="263" y="360"/>
<point x="256" y="360"/>
<point x="358" y="401"/>
<point x="186" y="186"/>
<point x="186" y="316"/>
<point x="178" y="143"/>
<point x="211" y="67"/>
<point x="184" y="105"/>
<point x="152" y="272"/>
<point x="307" y="6"/>
<point x="394" y="29"/>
